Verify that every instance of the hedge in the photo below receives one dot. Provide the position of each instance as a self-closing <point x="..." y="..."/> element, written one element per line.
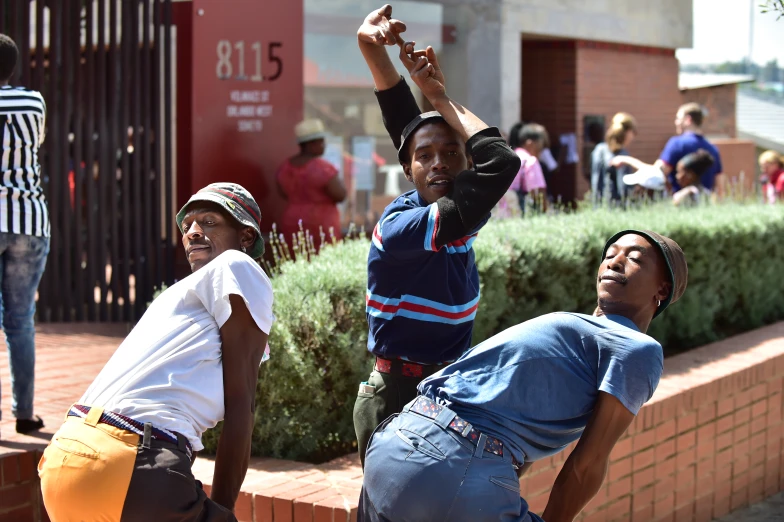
<point x="528" y="267"/>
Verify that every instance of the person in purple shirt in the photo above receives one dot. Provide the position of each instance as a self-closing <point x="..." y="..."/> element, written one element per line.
<point x="689" y="139"/>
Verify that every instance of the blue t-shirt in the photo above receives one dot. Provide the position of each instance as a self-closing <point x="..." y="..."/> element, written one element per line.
<point x="534" y="386"/>
<point x="421" y="299"/>
<point x="679" y="146"/>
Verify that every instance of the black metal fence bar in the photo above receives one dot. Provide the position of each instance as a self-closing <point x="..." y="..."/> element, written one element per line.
<point x="105" y="152"/>
<point x="77" y="157"/>
<point x="91" y="254"/>
<point x="168" y="167"/>
<point x="105" y="71"/>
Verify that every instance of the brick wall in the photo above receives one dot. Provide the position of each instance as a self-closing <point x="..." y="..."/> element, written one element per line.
<point x="720" y="102"/>
<point x="641" y="81"/>
<point x="565" y="80"/>
<point x="710" y="440"/>
<point x="548" y="97"/>
<point x="737" y="156"/>
<point x="20" y="499"/>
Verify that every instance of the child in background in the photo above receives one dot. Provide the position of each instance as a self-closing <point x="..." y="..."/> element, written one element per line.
<point x="689" y="171"/>
<point x="530" y="181"/>
<point x="772" y="166"/>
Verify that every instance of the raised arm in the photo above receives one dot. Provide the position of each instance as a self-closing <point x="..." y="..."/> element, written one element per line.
<point x="495" y="165"/>
<point x="377" y="31"/>
<point x="584" y="471"/>
<point x="398" y="106"/>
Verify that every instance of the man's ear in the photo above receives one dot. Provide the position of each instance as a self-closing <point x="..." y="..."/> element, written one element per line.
<point x="408" y="173"/>
<point x="247" y="237"/>
<point x="664" y="291"/>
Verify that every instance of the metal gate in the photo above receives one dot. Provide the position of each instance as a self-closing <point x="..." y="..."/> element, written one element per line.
<point x="104" y="69"/>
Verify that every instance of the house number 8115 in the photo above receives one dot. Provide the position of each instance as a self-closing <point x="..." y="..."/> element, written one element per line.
<point x="224" y="69"/>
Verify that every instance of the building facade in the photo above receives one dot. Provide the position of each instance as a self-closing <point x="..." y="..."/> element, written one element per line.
<point x="566" y="64"/>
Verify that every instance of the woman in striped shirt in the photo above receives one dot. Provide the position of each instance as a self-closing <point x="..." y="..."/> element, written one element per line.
<point x="24" y="229"/>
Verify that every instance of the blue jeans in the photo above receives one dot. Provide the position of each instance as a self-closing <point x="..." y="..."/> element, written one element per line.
<point x="418" y="470"/>
<point x="22" y="262"/>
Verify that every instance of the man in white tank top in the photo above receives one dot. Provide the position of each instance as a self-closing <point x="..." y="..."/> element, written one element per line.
<point x="126" y="448"/>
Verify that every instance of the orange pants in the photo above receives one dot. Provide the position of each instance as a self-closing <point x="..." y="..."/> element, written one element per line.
<point x="92" y="471"/>
<point x="86" y="470"/>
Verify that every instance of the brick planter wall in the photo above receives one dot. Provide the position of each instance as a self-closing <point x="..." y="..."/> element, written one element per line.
<point x="19" y="487"/>
<point x="709" y="441"/>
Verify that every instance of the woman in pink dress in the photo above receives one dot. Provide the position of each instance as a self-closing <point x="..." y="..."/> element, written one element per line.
<point x="311" y="187"/>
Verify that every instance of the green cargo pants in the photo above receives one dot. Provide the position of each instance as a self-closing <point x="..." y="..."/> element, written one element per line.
<point x="384" y="395"/>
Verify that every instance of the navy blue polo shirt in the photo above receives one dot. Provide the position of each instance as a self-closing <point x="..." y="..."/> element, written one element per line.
<point x="679" y="146"/>
<point x="421" y="300"/>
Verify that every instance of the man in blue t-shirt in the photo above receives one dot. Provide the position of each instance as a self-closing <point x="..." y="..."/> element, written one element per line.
<point x="688" y="125"/>
<point x="457" y="450"/>
<point x="423" y="284"/>
<point x="689" y="139"/>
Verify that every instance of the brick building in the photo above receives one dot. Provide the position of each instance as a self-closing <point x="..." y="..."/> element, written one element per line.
<point x="567" y="65"/>
<point x="718" y="93"/>
<point x="567" y="85"/>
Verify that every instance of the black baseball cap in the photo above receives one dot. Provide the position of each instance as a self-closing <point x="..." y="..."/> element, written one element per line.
<point x="411" y="128"/>
<point x="238" y="202"/>
<point x="673" y="256"/>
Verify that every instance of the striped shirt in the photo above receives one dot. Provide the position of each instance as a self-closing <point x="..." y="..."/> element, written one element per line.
<point x="421" y="298"/>
<point x="22" y="128"/>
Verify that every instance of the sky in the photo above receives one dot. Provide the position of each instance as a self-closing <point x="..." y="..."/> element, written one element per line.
<point x="721" y="33"/>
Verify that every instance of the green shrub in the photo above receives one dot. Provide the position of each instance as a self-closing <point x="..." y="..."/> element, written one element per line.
<point x="528" y="267"/>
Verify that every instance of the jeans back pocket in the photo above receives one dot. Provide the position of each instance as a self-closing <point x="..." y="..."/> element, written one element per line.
<point x="507" y="483"/>
<point x="418" y="443"/>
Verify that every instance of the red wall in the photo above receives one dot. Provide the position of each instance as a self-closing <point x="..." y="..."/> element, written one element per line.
<point x="217" y="140"/>
<point x="720" y="101"/>
<point x="737" y="156"/>
<point x="548" y="97"/>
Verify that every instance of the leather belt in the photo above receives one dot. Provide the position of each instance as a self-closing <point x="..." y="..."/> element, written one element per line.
<point x="406" y="368"/>
<point x="429" y="408"/>
<point x="134" y="426"/>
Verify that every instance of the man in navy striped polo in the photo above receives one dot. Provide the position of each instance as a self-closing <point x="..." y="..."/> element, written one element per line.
<point x="423" y="284"/>
<point x="24" y="230"/>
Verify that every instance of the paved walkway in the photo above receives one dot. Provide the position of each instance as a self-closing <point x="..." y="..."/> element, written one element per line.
<point x="69" y="356"/>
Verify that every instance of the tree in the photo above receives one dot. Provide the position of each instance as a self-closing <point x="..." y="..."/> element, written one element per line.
<point x="732" y="68"/>
<point x="770" y="73"/>
<point x="776" y="6"/>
